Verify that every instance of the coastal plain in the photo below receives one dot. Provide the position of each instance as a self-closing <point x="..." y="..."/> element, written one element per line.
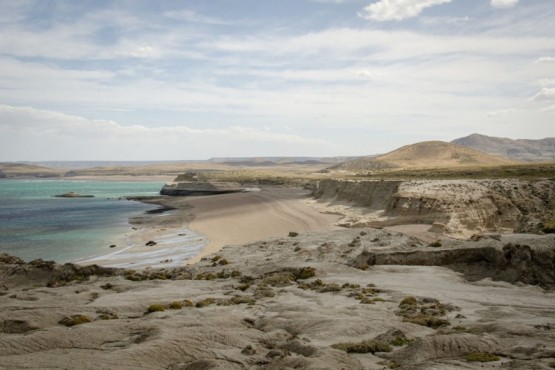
<point x="326" y="269"/>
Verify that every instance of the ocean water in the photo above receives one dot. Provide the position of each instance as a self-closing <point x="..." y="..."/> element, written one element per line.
<point x="35" y="224"/>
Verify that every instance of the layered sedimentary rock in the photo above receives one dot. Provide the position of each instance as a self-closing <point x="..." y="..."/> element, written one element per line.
<point x="455" y="207"/>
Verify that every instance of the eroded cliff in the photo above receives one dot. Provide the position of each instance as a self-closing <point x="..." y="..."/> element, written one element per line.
<point x="457" y="208"/>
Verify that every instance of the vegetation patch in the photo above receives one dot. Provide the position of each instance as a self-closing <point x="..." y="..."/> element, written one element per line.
<point x="279" y="279"/>
<point x="366" y="346"/>
<point x="362" y="266"/>
<point x="400" y="341"/>
<point x="408" y="302"/>
<point x="242" y="299"/>
<point x="424" y="311"/>
<point x="429" y="321"/>
<point x="305" y="273"/>
<point x="156" y="307"/>
<point x="175" y="305"/>
<point x="435" y="244"/>
<point x="187" y="303"/>
<point x="320" y="287"/>
<point x="207" y="275"/>
<point x="549" y="227"/>
<point x="108" y="316"/>
<point x="205" y="302"/>
<point x="216" y="258"/>
<point x="264" y="291"/>
<point x="75" y="320"/>
<point x="242" y="287"/>
<point x="481" y="357"/>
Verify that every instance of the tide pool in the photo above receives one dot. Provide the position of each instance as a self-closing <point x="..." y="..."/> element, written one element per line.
<point x="35" y="224"/>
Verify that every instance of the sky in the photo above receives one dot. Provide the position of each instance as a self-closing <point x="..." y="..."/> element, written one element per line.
<point x="176" y="80"/>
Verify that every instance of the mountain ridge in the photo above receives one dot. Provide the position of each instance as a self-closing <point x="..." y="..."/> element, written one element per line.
<point x="520" y="149"/>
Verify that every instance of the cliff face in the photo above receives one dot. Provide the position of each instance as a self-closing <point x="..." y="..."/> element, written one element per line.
<point x="371" y="194"/>
<point x="457" y="208"/>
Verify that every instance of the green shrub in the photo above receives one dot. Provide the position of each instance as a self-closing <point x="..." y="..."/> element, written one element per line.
<point x="175" y="305"/>
<point x="549" y="227"/>
<point x="481" y="357"/>
<point x="400" y="341"/>
<point x="362" y="266"/>
<point x="205" y="276"/>
<point x="264" y="292"/>
<point x="205" y="302"/>
<point x="236" y="274"/>
<point x="108" y="316"/>
<point x="306" y="273"/>
<point x="242" y="299"/>
<point x="408" y="301"/>
<point x="279" y="279"/>
<point x="435" y="244"/>
<point x="242" y="287"/>
<point x="366" y="346"/>
<point x="75" y="320"/>
<point x="156" y="307"/>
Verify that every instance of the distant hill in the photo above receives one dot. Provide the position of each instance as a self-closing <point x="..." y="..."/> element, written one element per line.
<point x="521" y="149"/>
<point x="274" y="161"/>
<point x="426" y="154"/>
<point x="9" y="170"/>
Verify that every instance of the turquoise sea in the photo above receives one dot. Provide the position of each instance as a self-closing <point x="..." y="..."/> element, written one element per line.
<point x="35" y="224"/>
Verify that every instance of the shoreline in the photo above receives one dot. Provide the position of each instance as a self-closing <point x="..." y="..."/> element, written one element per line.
<point x="186" y="229"/>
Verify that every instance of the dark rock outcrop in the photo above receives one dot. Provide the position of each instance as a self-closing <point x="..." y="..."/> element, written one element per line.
<point x="193" y="188"/>
<point x="73" y="194"/>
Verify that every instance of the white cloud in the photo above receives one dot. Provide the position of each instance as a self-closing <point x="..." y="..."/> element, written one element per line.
<point x="544" y="94"/>
<point x="397" y="10"/>
<point x="501" y="4"/>
<point x="548" y="109"/>
<point x="372" y="75"/>
<point x="329" y="1"/>
<point x="191" y="16"/>
<point x="51" y="134"/>
<point x="545" y="60"/>
<point x="501" y="112"/>
<point x="142" y="52"/>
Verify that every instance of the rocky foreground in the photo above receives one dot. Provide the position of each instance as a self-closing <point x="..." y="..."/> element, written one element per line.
<point x="349" y="299"/>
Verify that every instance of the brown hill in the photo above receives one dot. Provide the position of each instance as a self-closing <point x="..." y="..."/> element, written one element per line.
<point x="426" y="154"/>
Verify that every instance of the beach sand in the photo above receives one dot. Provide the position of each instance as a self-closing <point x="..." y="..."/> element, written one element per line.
<point x="199" y="226"/>
<point x="233" y="219"/>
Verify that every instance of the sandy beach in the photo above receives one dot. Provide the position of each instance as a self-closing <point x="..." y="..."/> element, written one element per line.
<point x="234" y="219"/>
<point x="199" y="226"/>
